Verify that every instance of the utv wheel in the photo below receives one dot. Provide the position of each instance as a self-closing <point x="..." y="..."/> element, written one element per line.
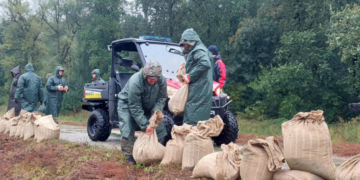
<point x="98" y="126"/>
<point x="169" y="123"/>
<point x="230" y="131"/>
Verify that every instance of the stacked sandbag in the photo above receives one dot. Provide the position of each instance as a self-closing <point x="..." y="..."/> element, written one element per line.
<point x="220" y="165"/>
<point x="147" y="149"/>
<point x="29" y="126"/>
<point x="307" y="144"/>
<point x="13" y="125"/>
<point x="349" y="170"/>
<point x="261" y="158"/>
<point x="295" y="175"/>
<point x="175" y="146"/>
<point x="178" y="100"/>
<point x="198" y="142"/>
<point x="46" y="128"/>
<point x="6" y="120"/>
<point x="2" y="125"/>
<point x="20" y="127"/>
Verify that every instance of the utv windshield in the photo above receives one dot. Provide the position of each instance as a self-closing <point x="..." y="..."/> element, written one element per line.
<point x="169" y="56"/>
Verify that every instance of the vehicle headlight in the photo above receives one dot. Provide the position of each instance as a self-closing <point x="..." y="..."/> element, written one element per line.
<point x="217" y="92"/>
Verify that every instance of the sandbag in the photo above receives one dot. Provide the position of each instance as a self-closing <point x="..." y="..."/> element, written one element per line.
<point x="295" y="175"/>
<point x="46" y="128"/>
<point x="220" y="165"/>
<point x="198" y="142"/>
<point x="2" y="125"/>
<point x="7" y="124"/>
<point x="29" y="127"/>
<point x="349" y="170"/>
<point x="9" y="114"/>
<point x="307" y="144"/>
<point x="147" y="149"/>
<point x="261" y="158"/>
<point x="13" y="126"/>
<point x="175" y="147"/>
<point x="20" y="128"/>
<point x="178" y="100"/>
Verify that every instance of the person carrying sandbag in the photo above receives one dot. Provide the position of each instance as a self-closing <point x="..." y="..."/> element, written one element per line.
<point x="142" y="96"/>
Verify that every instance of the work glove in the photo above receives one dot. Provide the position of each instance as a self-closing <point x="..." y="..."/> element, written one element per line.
<point x="186" y="78"/>
<point x="60" y="88"/>
<point x="66" y="88"/>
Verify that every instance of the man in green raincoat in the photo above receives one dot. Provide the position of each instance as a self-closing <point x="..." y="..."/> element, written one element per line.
<point x="143" y="94"/>
<point x="199" y="65"/>
<point x="29" y="90"/>
<point x="96" y="78"/>
<point x="56" y="87"/>
<point x="42" y="108"/>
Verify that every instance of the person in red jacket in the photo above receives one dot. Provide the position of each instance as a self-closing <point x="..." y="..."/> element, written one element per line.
<point x="219" y="73"/>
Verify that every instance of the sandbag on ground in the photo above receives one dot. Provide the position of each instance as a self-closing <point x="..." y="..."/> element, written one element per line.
<point x="261" y="158"/>
<point x="307" y="144"/>
<point x="349" y="170"/>
<point x="147" y="149"/>
<point x="220" y="165"/>
<point x="29" y="127"/>
<point x="46" y="128"/>
<point x="13" y="125"/>
<point x="178" y="100"/>
<point x="2" y="125"/>
<point x="9" y="114"/>
<point x="198" y="142"/>
<point x="295" y="175"/>
<point x="175" y="147"/>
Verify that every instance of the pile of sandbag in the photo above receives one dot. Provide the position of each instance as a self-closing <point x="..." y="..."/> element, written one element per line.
<point x="27" y="125"/>
<point x="198" y="142"/>
<point x="349" y="170"/>
<point x="307" y="144"/>
<point x="178" y="100"/>
<point x="295" y="175"/>
<point x="147" y="149"/>
<point x="261" y="158"/>
<point x="220" y="165"/>
<point x="175" y="146"/>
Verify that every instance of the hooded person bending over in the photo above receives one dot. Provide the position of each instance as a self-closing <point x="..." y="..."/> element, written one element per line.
<point x="56" y="87"/>
<point x="29" y="90"/>
<point x="199" y="65"/>
<point x="143" y="94"/>
<point x="96" y="78"/>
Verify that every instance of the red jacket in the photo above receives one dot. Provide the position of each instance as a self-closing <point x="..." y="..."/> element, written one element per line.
<point x="219" y="74"/>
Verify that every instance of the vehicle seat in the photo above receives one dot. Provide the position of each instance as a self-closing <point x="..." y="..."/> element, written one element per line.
<point x="124" y="78"/>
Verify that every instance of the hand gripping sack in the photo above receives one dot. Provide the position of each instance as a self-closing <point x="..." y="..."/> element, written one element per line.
<point x="198" y="142"/>
<point x="46" y="128"/>
<point x="261" y="158"/>
<point x="295" y="175"/>
<point x="349" y="170"/>
<point x="307" y="144"/>
<point x="29" y="127"/>
<point x="220" y="165"/>
<point x="178" y="100"/>
<point x="147" y="149"/>
<point x="175" y="147"/>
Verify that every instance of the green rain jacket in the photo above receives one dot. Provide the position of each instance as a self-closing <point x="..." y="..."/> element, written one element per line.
<point x="98" y="77"/>
<point x="29" y="89"/>
<point x="199" y="65"/>
<point x="138" y="101"/>
<point x="53" y="103"/>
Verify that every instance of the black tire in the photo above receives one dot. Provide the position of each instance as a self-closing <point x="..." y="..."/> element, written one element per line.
<point x="230" y="131"/>
<point x="98" y="127"/>
<point x="169" y="123"/>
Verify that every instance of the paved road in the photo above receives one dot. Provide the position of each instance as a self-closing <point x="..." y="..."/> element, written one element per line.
<point x="79" y="134"/>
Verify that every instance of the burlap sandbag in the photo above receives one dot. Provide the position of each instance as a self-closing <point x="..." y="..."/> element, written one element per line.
<point x="349" y="170"/>
<point x="2" y="125"/>
<point x="7" y="124"/>
<point x="46" y="128"/>
<point x="261" y="158"/>
<point x="13" y="125"/>
<point x="147" y="149"/>
<point x="20" y="128"/>
<point x="9" y="114"/>
<point x="178" y="100"/>
<point x="175" y="147"/>
<point x="220" y="165"/>
<point x="29" y="127"/>
<point x="295" y="175"/>
<point x="307" y="144"/>
<point x="198" y="142"/>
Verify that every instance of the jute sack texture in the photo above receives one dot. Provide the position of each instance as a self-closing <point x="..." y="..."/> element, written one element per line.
<point x="261" y="158"/>
<point x="178" y="100"/>
<point x="46" y="128"/>
<point x="349" y="170"/>
<point x="307" y="144"/>
<point x="295" y="175"/>
<point x="147" y="149"/>
<point x="220" y="165"/>
<point x="198" y="142"/>
<point x="29" y="126"/>
<point x="175" y="147"/>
